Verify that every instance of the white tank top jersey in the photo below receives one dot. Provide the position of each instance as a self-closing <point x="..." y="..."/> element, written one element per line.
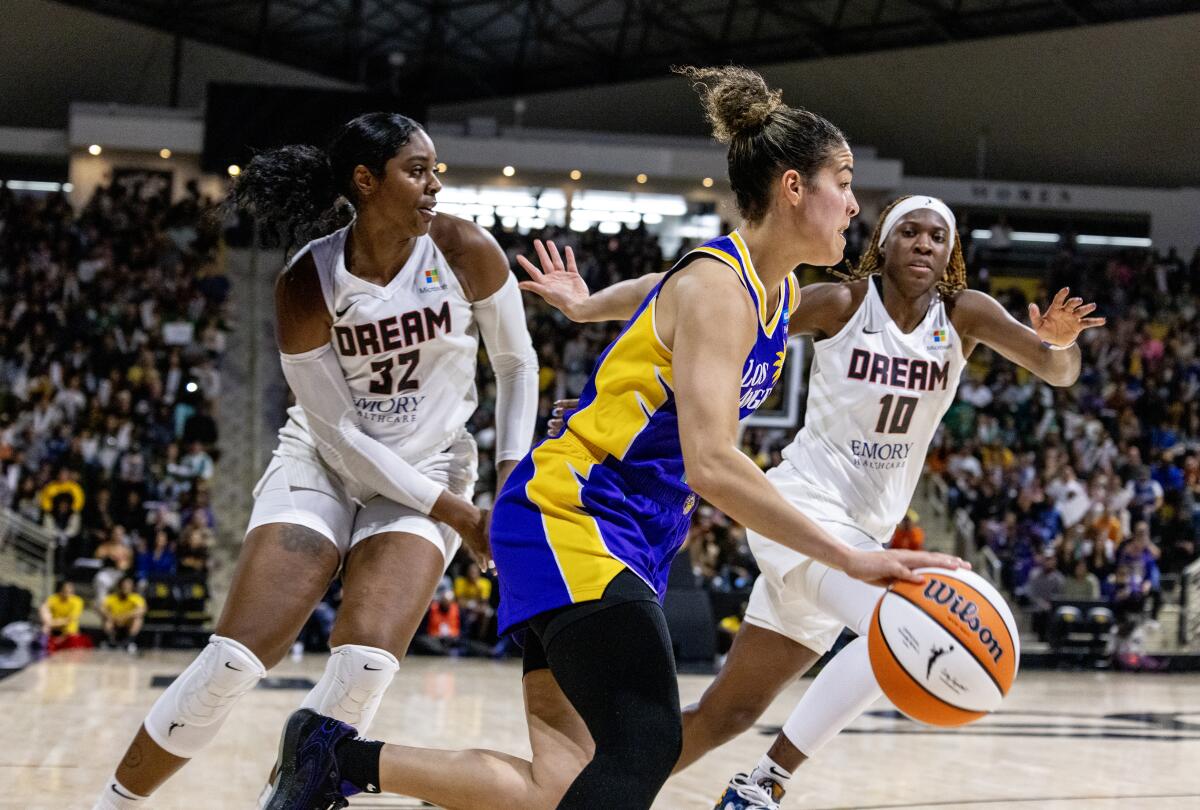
<point x="875" y="397"/>
<point x="408" y="350"/>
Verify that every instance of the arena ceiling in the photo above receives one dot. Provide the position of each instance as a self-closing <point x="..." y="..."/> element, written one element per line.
<point x="471" y="49"/>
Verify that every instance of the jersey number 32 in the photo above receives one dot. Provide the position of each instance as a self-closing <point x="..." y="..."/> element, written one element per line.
<point x="404" y="364"/>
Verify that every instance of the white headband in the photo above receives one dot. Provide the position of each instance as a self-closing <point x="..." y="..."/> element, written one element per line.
<point x="916" y="204"/>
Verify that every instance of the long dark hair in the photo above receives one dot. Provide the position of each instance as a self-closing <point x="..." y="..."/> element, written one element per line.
<point x="295" y="191"/>
<point x="766" y="137"/>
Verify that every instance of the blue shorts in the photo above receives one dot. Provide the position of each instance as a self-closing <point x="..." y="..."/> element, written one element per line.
<point x="567" y="523"/>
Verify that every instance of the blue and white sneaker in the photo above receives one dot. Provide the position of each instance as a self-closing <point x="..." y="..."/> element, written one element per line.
<point x="308" y="777"/>
<point x="745" y="794"/>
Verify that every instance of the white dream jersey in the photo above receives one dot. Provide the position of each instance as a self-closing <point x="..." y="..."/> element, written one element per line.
<point x="875" y="398"/>
<point x="407" y="350"/>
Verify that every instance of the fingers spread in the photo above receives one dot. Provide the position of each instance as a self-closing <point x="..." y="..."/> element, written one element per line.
<point x="529" y="268"/>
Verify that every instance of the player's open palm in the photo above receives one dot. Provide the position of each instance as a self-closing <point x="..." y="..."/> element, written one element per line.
<point x="884" y="567"/>
<point x="1064" y="319"/>
<point x="557" y="281"/>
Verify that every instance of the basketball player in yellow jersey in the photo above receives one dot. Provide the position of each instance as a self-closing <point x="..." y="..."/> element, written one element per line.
<point x="588" y="521"/>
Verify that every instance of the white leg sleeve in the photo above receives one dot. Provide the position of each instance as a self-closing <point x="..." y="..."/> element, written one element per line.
<point x="353" y="684"/>
<point x="843" y="691"/>
<point x="846" y="686"/>
<point x="188" y="715"/>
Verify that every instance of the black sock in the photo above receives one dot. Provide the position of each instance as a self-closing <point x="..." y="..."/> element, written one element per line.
<point x="358" y="762"/>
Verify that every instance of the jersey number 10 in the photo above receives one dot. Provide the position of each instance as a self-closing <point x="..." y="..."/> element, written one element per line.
<point x="901" y="417"/>
<point x="406" y="363"/>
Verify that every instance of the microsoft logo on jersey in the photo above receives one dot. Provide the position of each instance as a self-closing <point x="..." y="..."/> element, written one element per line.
<point x="431" y="281"/>
<point x="940" y="339"/>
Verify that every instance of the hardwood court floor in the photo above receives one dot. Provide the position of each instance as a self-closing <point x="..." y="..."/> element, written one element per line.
<point x="1064" y="740"/>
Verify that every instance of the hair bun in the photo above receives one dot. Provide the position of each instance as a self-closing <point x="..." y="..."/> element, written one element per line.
<point x="736" y="100"/>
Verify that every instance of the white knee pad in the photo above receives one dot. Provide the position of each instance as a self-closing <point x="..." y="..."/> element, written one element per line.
<point x="353" y="684"/>
<point x="188" y="715"/>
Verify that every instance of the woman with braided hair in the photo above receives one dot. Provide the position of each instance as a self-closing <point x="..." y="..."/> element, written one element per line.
<point x="891" y="340"/>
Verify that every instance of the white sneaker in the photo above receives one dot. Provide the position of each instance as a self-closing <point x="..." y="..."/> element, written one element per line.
<point x="746" y="794"/>
<point x="131" y="648"/>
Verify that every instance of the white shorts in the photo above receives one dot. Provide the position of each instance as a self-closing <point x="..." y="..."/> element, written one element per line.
<point x="299" y="488"/>
<point x="787" y="596"/>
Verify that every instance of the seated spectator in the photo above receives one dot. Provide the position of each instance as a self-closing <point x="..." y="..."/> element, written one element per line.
<point x="1082" y="585"/>
<point x="444" y="626"/>
<point x="197" y="464"/>
<point x="473" y="593"/>
<point x="60" y="619"/>
<point x="1069" y="496"/>
<point x="1140" y="556"/>
<point x="65" y="483"/>
<point x="908" y="534"/>
<point x="1046" y="584"/>
<point x="65" y="524"/>
<point x="194" y="545"/>
<point x="1127" y="594"/>
<point x="123" y="612"/>
<point x="160" y="560"/>
<point x="115" y="558"/>
<point x="1145" y="495"/>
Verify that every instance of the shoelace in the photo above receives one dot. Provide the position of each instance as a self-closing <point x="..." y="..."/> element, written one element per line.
<point x="760" y="795"/>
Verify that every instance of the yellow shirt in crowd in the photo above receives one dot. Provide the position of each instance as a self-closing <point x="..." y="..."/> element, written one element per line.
<point x="118" y="607"/>
<point x="480" y="590"/>
<point x="70" y="608"/>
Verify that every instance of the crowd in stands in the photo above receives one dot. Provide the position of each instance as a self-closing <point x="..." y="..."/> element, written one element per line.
<point x="1090" y="492"/>
<point x="111" y="337"/>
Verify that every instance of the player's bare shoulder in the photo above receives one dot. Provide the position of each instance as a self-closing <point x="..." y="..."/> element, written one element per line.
<point x="472" y="253"/>
<point x="826" y="306"/>
<point x="302" y="318"/>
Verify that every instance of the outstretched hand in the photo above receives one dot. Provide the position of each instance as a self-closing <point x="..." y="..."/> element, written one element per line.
<point x="558" y="282"/>
<point x="1064" y="319"/>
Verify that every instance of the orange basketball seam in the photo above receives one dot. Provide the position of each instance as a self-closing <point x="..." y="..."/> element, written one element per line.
<point x="985" y="667"/>
<point x="919" y="685"/>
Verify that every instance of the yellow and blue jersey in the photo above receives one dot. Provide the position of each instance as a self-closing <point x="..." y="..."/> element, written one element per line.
<point x="611" y="492"/>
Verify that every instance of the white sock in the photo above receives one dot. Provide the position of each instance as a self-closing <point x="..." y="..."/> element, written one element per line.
<point x="768" y="768"/>
<point x="118" y="797"/>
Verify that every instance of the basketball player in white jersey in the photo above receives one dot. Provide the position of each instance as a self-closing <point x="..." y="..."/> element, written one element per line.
<point x="890" y="346"/>
<point x="378" y="326"/>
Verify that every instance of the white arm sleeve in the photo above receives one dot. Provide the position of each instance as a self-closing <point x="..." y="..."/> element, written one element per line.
<point x="316" y="379"/>
<point x="501" y="319"/>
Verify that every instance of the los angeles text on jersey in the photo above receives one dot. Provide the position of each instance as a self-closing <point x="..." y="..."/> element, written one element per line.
<point x="898" y="372"/>
<point x="754" y="376"/>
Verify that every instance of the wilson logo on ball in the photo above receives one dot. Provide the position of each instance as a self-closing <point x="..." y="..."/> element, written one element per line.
<point x="943" y="593"/>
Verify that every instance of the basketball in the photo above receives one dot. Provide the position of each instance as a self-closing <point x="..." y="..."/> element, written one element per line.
<point x="946" y="651"/>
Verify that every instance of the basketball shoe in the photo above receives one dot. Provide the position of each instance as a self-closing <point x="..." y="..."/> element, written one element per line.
<point x="308" y="777"/>
<point x="745" y="794"/>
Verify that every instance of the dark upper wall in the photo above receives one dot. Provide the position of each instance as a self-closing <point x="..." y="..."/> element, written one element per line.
<point x="1116" y="104"/>
<point x="51" y="55"/>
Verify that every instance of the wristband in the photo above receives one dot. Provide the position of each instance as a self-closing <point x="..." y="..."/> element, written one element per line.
<point x="1055" y="348"/>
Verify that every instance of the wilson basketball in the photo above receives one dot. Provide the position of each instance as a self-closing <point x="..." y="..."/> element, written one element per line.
<point x="945" y="652"/>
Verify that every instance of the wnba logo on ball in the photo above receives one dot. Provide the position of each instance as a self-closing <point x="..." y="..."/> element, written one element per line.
<point x="943" y="593"/>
